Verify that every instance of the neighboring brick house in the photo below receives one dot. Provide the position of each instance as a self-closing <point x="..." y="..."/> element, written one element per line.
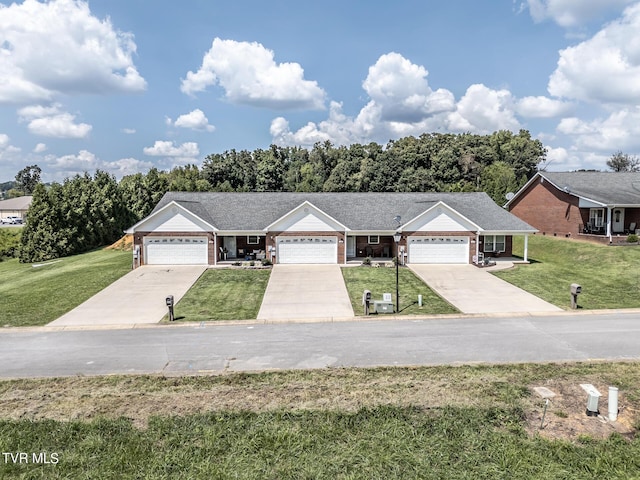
<point x="207" y="228"/>
<point x="601" y="206"/>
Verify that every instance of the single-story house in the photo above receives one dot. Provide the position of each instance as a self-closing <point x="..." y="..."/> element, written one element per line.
<point x="212" y="227"/>
<point x="15" y="207"/>
<point x="595" y="205"/>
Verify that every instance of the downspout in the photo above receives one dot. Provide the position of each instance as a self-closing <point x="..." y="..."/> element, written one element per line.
<point x="526" y="247"/>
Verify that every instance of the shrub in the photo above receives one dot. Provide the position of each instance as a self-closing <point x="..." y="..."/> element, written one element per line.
<point x="633" y="238"/>
<point x="266" y="262"/>
<point x="367" y="262"/>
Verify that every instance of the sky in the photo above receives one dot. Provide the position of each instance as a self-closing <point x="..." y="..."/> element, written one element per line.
<point x="126" y="85"/>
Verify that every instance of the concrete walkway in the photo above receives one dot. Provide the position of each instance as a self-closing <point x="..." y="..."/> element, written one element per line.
<point x="474" y="290"/>
<point x="138" y="297"/>
<point x="305" y="291"/>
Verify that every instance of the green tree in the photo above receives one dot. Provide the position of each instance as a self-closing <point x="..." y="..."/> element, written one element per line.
<point x="497" y="180"/>
<point x="28" y="178"/>
<point x="623" y="162"/>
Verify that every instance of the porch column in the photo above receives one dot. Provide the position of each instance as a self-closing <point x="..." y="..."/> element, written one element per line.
<point x="345" y="247"/>
<point x="215" y="248"/>
<point x="526" y="247"/>
<point x="609" y="223"/>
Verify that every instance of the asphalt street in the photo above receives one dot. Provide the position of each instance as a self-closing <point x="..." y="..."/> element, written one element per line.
<point x="192" y="349"/>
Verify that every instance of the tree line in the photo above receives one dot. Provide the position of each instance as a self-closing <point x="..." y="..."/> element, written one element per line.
<point x="89" y="211"/>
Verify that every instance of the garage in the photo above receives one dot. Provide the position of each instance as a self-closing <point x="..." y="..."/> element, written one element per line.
<point x="439" y="250"/>
<point x="307" y="250"/>
<point x="175" y="251"/>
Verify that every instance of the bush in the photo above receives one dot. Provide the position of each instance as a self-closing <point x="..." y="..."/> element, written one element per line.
<point x="9" y="242"/>
<point x="633" y="238"/>
<point x="266" y="262"/>
<point x="367" y="262"/>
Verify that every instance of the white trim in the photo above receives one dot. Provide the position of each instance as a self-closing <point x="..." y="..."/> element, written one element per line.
<point x="440" y="204"/>
<point x="162" y="210"/>
<point x="257" y="242"/>
<point x="373" y="243"/>
<point x="304" y="204"/>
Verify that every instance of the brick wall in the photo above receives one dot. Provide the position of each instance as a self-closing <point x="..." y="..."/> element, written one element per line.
<point x="548" y="209"/>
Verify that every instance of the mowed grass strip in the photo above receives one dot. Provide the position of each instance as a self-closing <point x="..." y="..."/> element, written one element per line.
<point x="224" y="294"/>
<point x="481" y="434"/>
<point x="36" y="295"/>
<point x="383" y="280"/>
<point x="609" y="275"/>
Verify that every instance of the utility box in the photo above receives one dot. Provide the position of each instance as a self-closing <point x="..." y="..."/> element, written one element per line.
<point x="593" y="396"/>
<point x="380" y="306"/>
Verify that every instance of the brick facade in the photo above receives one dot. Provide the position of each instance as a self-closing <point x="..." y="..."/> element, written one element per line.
<point x="550" y="210"/>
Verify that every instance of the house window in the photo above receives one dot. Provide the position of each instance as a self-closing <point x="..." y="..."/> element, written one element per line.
<point x="596" y="217"/>
<point x="374" y="239"/>
<point x="494" y="243"/>
<point x="253" y="239"/>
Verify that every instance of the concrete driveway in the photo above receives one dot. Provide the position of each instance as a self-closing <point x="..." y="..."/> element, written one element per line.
<point x="474" y="290"/>
<point x="305" y="291"/>
<point x="138" y="297"/>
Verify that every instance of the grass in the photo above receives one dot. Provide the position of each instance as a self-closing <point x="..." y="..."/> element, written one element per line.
<point x="609" y="275"/>
<point x="383" y="280"/>
<point x="224" y="294"/>
<point x="38" y="295"/>
<point x="384" y="423"/>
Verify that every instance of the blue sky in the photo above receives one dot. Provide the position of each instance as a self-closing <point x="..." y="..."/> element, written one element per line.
<point x="124" y="85"/>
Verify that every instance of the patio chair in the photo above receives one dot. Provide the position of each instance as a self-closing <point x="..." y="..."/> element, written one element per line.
<point x="386" y="252"/>
<point x="368" y="251"/>
<point x="632" y="227"/>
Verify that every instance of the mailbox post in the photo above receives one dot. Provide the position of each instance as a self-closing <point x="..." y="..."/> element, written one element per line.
<point x="366" y="301"/>
<point x="169" y="301"/>
<point x="575" y="291"/>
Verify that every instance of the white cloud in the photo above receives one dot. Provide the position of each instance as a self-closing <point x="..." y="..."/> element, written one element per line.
<point x="401" y="89"/>
<point x="4" y="140"/>
<point x="169" y="149"/>
<point x="129" y="131"/>
<point x="52" y="122"/>
<point x="59" y="47"/>
<point x="572" y="13"/>
<point x="84" y="161"/>
<point x="619" y="131"/>
<point x="542" y="107"/>
<point x="195" y="120"/>
<point x="126" y="166"/>
<point x="605" y="68"/>
<point x="484" y="110"/>
<point x="40" y="147"/>
<point x="249" y="75"/>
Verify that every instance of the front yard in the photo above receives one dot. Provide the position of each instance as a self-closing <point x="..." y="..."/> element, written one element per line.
<point x="383" y="280"/>
<point x="609" y="275"/>
<point x="38" y="294"/>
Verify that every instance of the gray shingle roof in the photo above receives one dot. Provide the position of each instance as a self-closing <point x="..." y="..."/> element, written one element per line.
<point x="17" y="203"/>
<point x="608" y="188"/>
<point x="357" y="211"/>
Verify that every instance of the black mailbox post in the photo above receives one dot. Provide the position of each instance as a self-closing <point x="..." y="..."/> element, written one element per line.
<point x="169" y="301"/>
<point x="366" y="301"/>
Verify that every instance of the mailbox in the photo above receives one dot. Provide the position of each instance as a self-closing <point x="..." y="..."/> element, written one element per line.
<point x="575" y="290"/>
<point x="366" y="300"/>
<point x="169" y="302"/>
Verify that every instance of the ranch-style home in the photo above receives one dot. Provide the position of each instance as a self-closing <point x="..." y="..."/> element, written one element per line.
<point x="214" y="227"/>
<point x="597" y="206"/>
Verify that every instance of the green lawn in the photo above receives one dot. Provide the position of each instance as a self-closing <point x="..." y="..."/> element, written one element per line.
<point x="33" y="295"/>
<point x="610" y="276"/>
<point x="473" y="422"/>
<point x="383" y="280"/>
<point x="224" y="294"/>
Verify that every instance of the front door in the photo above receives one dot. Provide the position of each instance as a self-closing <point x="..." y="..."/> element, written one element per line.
<point x="617" y="224"/>
<point x="230" y="245"/>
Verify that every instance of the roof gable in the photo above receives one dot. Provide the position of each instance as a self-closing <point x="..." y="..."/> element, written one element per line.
<point x="440" y="218"/>
<point x="173" y="217"/>
<point x="305" y="218"/>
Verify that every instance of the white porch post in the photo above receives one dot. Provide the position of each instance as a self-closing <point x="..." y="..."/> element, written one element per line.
<point x="345" y="247"/>
<point x="215" y="248"/>
<point x="526" y="248"/>
<point x="609" y="223"/>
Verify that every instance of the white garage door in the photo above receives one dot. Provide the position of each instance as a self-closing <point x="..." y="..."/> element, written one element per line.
<point x="439" y="250"/>
<point x="307" y="250"/>
<point x="176" y="251"/>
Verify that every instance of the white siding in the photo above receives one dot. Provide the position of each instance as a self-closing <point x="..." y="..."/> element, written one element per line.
<point x="171" y="220"/>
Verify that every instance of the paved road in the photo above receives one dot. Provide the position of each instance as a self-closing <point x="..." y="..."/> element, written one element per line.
<point x="214" y="349"/>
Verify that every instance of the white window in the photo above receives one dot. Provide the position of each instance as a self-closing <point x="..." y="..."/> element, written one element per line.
<point x="494" y="243"/>
<point x="374" y="239"/>
<point x="596" y="217"/>
<point x="253" y="239"/>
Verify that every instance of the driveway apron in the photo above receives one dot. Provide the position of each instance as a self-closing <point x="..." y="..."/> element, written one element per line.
<point x="473" y="290"/>
<point x="138" y="297"/>
<point x="305" y="291"/>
